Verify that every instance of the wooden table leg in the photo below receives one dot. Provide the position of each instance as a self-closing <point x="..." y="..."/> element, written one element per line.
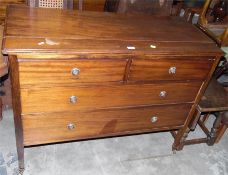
<point x="14" y="75"/>
<point x="214" y="130"/>
<point x="223" y="126"/>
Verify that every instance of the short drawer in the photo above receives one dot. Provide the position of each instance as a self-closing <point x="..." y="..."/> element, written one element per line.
<point x="169" y="69"/>
<point x="44" y="72"/>
<point x="55" y="127"/>
<point x="55" y="99"/>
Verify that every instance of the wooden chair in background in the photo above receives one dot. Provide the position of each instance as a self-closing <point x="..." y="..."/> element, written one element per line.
<point x="217" y="30"/>
<point x="156" y="7"/>
<point x="57" y="4"/>
<point x="214" y="101"/>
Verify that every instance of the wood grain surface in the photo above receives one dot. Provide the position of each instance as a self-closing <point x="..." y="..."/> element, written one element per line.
<point x="3" y="5"/>
<point x="37" y="100"/>
<point x="52" y="127"/>
<point x="95" y="32"/>
<point x="158" y="69"/>
<point x="35" y="72"/>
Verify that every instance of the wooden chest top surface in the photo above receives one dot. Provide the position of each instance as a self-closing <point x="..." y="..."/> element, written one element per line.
<point x="50" y="31"/>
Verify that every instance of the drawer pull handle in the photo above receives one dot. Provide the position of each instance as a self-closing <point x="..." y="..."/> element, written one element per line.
<point x="163" y="94"/>
<point x="73" y="99"/>
<point x="172" y="70"/>
<point x="75" y="71"/>
<point x="154" y="119"/>
<point x="71" y="126"/>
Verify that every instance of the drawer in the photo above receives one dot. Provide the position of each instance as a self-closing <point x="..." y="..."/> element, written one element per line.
<point x="80" y="98"/>
<point x="55" y="127"/>
<point x="169" y="69"/>
<point x="71" y="71"/>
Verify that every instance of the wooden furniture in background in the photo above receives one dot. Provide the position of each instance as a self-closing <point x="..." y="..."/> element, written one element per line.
<point x="104" y="75"/>
<point x="214" y="101"/>
<point x="218" y="31"/>
<point x="111" y="6"/>
<point x="90" y="5"/>
<point x="222" y="70"/>
<point x="156" y="7"/>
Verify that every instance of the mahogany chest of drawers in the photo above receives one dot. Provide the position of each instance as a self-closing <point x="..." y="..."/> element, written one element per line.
<point x="80" y="75"/>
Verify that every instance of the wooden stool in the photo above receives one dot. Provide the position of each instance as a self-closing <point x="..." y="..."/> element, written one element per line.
<point x="215" y="100"/>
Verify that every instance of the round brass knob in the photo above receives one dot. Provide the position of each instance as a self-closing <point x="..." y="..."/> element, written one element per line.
<point x="163" y="94"/>
<point x="73" y="99"/>
<point x="71" y="126"/>
<point x="154" y="119"/>
<point x="172" y="70"/>
<point x="75" y="71"/>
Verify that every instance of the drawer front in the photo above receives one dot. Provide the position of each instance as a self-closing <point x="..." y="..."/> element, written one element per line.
<point x="155" y="70"/>
<point x="74" y="71"/>
<point x="54" y="127"/>
<point x="80" y="98"/>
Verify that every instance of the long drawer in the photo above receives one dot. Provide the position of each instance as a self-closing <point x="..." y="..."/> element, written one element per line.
<point x="82" y="98"/>
<point x="36" y="72"/>
<point x="55" y="127"/>
<point x="170" y="69"/>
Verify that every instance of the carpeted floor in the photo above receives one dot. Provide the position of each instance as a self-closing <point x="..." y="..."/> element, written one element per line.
<point x="148" y="154"/>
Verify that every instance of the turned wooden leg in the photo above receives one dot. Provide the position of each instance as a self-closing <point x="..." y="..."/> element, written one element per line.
<point x="214" y="130"/>
<point x="221" y="132"/>
<point x="180" y="146"/>
<point x="223" y="126"/>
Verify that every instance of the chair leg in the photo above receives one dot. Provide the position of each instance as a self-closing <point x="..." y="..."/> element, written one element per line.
<point x="214" y="130"/>
<point x="223" y="126"/>
<point x="220" y="133"/>
<point x="205" y="117"/>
